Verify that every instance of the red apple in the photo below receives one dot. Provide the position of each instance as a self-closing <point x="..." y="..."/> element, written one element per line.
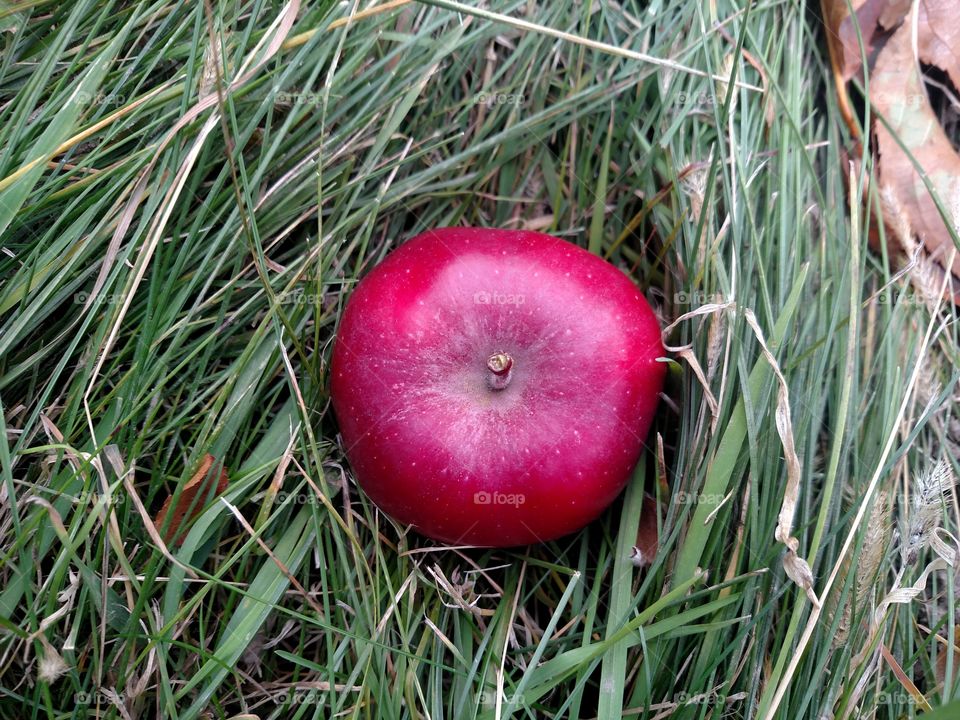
<point x="494" y="387"/>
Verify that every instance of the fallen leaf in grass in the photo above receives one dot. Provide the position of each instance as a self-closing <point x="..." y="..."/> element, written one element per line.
<point x="906" y="132"/>
<point x="872" y="16"/>
<point x="648" y="536"/>
<point x="942" y="654"/>
<point x="899" y="96"/>
<point x="938" y="42"/>
<point x="193" y="498"/>
<point x="877" y="18"/>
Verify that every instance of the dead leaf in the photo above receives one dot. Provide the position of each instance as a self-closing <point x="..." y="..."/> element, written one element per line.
<point x="899" y="96"/>
<point x="648" y="535"/>
<point x="872" y="17"/>
<point x="871" y="21"/>
<point x="942" y="653"/>
<point x="192" y="500"/>
<point x="938" y="43"/>
<point x="902" y="110"/>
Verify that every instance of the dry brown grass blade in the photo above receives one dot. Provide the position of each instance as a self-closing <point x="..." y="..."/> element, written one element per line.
<point x="904" y="679"/>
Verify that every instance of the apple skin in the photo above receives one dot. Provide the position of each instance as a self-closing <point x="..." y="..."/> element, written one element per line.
<point x="434" y="445"/>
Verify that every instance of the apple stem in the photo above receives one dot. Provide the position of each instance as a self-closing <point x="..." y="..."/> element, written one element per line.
<point x="500" y="365"/>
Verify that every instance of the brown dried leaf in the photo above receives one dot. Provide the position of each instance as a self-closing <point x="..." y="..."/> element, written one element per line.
<point x="893" y="14"/>
<point x="898" y="93"/>
<point x="873" y="16"/>
<point x="938" y="41"/>
<point x="899" y="96"/>
<point x="192" y="500"/>
<point x="648" y="538"/>
<point x="941" y="667"/>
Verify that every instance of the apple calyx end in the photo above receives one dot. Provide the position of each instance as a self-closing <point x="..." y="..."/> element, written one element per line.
<point x="500" y="365"/>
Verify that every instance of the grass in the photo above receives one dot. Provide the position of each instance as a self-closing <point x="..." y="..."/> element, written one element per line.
<point x="188" y="193"/>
